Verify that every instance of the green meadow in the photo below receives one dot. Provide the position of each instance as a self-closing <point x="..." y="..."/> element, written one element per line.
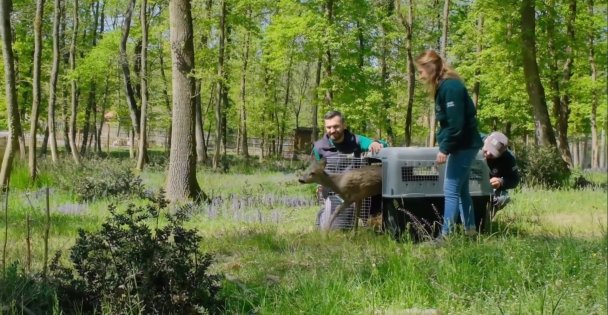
<point x="546" y="254"/>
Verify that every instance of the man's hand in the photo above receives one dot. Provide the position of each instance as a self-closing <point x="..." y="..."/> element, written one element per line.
<point x="441" y="158"/>
<point x="375" y="147"/>
<point x="496" y="182"/>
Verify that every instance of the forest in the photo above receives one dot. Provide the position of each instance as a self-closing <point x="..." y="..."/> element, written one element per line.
<point x="262" y="69"/>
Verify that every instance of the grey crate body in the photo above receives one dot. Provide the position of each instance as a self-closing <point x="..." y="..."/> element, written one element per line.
<point x="412" y="173"/>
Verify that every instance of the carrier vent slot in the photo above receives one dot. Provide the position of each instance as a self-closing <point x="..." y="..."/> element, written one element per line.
<point x="419" y="174"/>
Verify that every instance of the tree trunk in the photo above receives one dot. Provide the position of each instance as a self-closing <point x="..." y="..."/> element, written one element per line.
<point x="165" y="92"/>
<point x="201" y="148"/>
<point x="411" y="72"/>
<point x="283" y="120"/>
<point x="90" y="107"/>
<point x="329" y="93"/>
<point x="443" y="52"/>
<point x="53" y="81"/>
<point x="199" y="126"/>
<point x="126" y="72"/>
<point x="181" y="177"/>
<point x="604" y="150"/>
<point x="141" y="158"/>
<point x="444" y="31"/>
<point x="36" y="87"/>
<point x="564" y="110"/>
<point x="102" y="110"/>
<point x="45" y="142"/>
<point x="91" y="104"/>
<point x="14" y="124"/>
<point x="316" y="101"/>
<point x="102" y="118"/>
<point x="536" y="93"/>
<point x="575" y="159"/>
<point x="595" y="147"/>
<point x="479" y="48"/>
<point x="384" y="74"/>
<point x="564" y="104"/>
<point x="74" y="88"/>
<point x="65" y="118"/>
<point x="220" y="86"/>
<point x="243" y="112"/>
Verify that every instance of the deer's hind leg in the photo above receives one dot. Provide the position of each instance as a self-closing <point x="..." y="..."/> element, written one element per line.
<point x="334" y="215"/>
<point x="357" y="214"/>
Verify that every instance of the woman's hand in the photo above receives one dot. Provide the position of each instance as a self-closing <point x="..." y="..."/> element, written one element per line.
<point x="441" y="158"/>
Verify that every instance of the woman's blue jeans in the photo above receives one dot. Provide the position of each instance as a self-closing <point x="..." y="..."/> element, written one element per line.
<point x="456" y="190"/>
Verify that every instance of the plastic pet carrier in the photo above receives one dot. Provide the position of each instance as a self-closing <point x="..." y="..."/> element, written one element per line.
<point x="412" y="191"/>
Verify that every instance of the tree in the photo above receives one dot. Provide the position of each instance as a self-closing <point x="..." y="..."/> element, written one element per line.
<point x="329" y="14"/>
<point x="536" y="93"/>
<point x="181" y="177"/>
<point x="564" y="104"/>
<point x="53" y="81"/>
<point x="126" y="72"/>
<point x="221" y="87"/>
<point x="595" y="148"/>
<point x="14" y="123"/>
<point x="141" y="158"/>
<point x="411" y="72"/>
<point x="36" y="87"/>
<point x="74" y="87"/>
<point x="243" y="112"/>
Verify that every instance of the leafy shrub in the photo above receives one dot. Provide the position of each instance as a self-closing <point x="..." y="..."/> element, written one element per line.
<point x="22" y="293"/>
<point x="97" y="178"/>
<point x="543" y="166"/>
<point x="133" y="268"/>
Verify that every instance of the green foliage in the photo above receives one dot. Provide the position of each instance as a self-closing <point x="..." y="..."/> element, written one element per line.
<point x="97" y="178"/>
<point x="24" y="293"/>
<point x="20" y="176"/>
<point x="542" y="166"/>
<point x="135" y="265"/>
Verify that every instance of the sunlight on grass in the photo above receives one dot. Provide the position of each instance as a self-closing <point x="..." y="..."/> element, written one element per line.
<point x="547" y="253"/>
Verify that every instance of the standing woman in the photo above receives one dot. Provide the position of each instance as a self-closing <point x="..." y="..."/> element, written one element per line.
<point x="458" y="137"/>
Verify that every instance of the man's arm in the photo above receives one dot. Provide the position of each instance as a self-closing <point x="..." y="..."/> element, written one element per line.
<point x="510" y="178"/>
<point x="316" y="153"/>
<point x="365" y="143"/>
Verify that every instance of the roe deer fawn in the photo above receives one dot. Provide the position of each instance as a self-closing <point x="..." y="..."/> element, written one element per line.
<point x="352" y="185"/>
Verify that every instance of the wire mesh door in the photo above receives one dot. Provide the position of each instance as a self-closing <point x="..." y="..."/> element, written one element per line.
<point x="329" y="201"/>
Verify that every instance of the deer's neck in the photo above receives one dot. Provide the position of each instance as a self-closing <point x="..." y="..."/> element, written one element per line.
<point x="331" y="181"/>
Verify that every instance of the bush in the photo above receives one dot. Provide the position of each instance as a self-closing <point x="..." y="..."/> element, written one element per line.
<point x="543" y="166"/>
<point x="22" y="293"/>
<point x="98" y="178"/>
<point x="129" y="267"/>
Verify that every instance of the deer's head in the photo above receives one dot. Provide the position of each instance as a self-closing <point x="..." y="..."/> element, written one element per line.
<point x="314" y="172"/>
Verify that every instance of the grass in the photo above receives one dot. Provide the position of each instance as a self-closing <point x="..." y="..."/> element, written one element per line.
<point x="548" y="253"/>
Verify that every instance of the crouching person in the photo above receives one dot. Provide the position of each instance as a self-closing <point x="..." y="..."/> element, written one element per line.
<point x="504" y="173"/>
<point x="339" y="141"/>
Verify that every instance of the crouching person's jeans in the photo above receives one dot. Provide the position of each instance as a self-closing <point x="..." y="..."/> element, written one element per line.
<point x="456" y="190"/>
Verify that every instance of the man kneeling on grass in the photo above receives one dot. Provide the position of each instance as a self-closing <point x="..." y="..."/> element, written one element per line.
<point x="504" y="173"/>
